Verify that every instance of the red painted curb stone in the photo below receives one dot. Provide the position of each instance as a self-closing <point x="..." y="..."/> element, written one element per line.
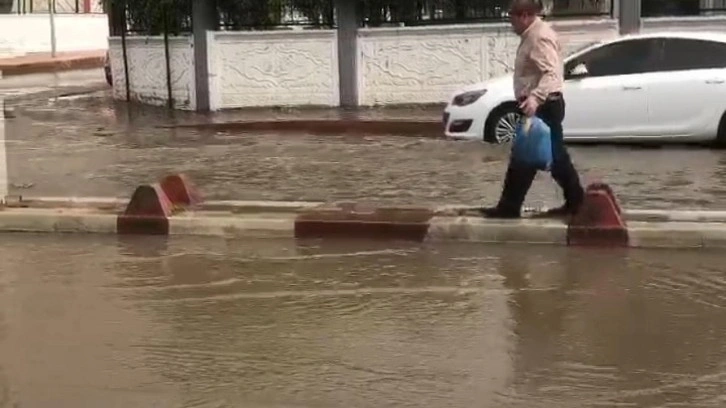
<point x="350" y="220"/>
<point x="599" y="221"/>
<point x="180" y="190"/>
<point x="147" y="213"/>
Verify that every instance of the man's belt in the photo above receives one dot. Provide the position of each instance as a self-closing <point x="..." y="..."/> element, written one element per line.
<point x="554" y="96"/>
<point x="551" y="97"/>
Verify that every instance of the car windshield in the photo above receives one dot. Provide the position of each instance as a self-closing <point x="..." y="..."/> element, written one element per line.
<point x="578" y="49"/>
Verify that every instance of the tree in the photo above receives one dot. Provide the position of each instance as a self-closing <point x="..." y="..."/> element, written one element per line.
<point x="670" y="7"/>
<point x="317" y="12"/>
<point x="246" y="13"/>
<point x="578" y="6"/>
<point x="6" y="6"/>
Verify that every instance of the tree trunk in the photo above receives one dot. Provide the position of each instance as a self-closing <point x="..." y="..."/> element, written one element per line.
<point x="6" y="6"/>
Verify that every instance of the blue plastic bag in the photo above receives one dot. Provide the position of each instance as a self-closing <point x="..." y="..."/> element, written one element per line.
<point x="532" y="145"/>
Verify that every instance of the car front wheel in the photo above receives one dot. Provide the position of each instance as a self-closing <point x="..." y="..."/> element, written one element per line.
<point x="720" y="141"/>
<point x="502" y="123"/>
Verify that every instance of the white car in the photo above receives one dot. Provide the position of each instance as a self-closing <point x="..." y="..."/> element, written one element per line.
<point x="638" y="88"/>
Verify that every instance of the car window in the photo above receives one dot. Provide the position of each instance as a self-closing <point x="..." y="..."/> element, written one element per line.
<point x="582" y="47"/>
<point x="684" y="54"/>
<point x="620" y="58"/>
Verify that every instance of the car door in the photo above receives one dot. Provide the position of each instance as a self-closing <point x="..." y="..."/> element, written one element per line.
<point x="610" y="100"/>
<point x="688" y="90"/>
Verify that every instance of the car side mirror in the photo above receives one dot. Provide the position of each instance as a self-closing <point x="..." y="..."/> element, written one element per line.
<point x="579" y="71"/>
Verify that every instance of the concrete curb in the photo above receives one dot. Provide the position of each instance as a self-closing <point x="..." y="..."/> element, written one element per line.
<point x="19" y="66"/>
<point x="281" y="223"/>
<point x="37" y="65"/>
<point x="174" y="206"/>
<point x="421" y="128"/>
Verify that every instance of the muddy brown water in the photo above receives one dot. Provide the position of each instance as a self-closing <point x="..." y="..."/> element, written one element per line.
<point x="89" y="146"/>
<point x="91" y="322"/>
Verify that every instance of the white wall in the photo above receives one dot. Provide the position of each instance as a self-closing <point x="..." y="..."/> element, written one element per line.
<point x="21" y="34"/>
<point x="147" y="70"/>
<point x="426" y="64"/>
<point x="281" y="68"/>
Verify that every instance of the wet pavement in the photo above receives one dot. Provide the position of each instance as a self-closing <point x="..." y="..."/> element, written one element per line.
<point x="218" y="323"/>
<point x="88" y="145"/>
<point x="53" y="83"/>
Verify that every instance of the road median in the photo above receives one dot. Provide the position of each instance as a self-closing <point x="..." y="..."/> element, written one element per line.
<point x="174" y="207"/>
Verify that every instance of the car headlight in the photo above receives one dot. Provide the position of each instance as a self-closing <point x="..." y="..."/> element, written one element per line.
<point x="467" y="98"/>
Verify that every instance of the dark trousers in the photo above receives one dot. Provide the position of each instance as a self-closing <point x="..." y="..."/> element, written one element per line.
<point x="519" y="177"/>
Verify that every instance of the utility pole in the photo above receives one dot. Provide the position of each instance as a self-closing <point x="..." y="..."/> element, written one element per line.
<point x="51" y="13"/>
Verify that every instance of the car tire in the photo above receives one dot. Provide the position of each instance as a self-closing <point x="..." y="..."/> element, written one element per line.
<point x="720" y="141"/>
<point x="499" y="126"/>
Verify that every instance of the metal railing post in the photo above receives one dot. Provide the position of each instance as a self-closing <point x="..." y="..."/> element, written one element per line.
<point x="125" y="52"/>
<point x="167" y="56"/>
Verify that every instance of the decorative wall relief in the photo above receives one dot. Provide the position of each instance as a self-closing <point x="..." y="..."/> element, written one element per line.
<point x="274" y="68"/>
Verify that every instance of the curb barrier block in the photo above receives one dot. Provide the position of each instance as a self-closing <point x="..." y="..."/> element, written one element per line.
<point x="349" y="220"/>
<point x="180" y="190"/>
<point x="147" y="213"/>
<point x="599" y="221"/>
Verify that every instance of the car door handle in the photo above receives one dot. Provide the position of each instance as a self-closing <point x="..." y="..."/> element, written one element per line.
<point x="715" y="81"/>
<point x="632" y="88"/>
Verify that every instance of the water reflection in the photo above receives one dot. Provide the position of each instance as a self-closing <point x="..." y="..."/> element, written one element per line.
<point x="271" y="323"/>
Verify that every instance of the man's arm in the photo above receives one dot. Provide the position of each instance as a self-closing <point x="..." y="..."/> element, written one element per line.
<point x="547" y="59"/>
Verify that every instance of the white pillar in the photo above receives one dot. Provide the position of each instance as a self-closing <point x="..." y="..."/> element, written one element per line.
<point x="347" y="19"/>
<point x="51" y="14"/>
<point x="629" y="16"/>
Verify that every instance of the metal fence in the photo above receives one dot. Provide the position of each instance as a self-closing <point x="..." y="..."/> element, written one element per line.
<point x="275" y="14"/>
<point x="154" y="17"/>
<point x="429" y="12"/>
<point x="59" y="6"/>
<point x="676" y="8"/>
<point x="311" y="14"/>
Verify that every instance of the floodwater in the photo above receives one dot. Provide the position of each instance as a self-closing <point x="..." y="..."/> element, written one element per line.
<point x="100" y="322"/>
<point x="90" y="146"/>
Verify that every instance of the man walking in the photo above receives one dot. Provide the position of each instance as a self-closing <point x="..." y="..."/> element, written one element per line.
<point x="538" y="77"/>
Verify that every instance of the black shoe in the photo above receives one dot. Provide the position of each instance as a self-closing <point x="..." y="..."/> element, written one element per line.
<point x="496" y="212"/>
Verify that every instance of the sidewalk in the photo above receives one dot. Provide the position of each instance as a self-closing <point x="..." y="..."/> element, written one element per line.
<point x="43" y="62"/>
<point x="423" y="121"/>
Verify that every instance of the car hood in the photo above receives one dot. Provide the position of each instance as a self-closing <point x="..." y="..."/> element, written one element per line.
<point x="499" y="84"/>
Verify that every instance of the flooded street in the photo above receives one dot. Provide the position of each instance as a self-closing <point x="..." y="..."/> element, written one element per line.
<point x="103" y="322"/>
<point x="214" y="323"/>
<point x="89" y="146"/>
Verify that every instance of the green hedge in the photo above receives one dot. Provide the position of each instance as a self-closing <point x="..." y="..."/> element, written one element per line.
<point x="652" y="8"/>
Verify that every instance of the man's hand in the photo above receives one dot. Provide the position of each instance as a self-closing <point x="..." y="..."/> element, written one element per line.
<point x="529" y="106"/>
